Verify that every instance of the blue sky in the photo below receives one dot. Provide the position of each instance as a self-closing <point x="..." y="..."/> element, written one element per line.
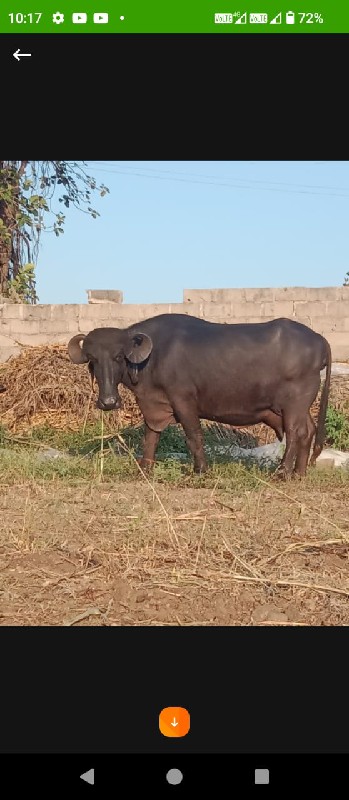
<point x="170" y="225"/>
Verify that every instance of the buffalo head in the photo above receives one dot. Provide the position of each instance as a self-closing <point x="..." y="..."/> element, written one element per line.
<point x="110" y="353"/>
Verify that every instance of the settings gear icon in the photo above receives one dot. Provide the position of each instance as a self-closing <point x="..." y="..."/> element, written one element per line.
<point x="57" y="18"/>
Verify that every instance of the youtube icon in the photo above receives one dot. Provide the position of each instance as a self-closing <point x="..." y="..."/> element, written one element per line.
<point x="79" y="19"/>
<point x="100" y="18"/>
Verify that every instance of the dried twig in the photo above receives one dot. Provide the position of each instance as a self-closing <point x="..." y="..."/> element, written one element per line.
<point x="102" y="448"/>
<point x="280" y="582"/>
<point x="303" y="546"/>
<point x="288" y="624"/>
<point x="87" y="410"/>
<point x="199" y="544"/>
<point x="243" y="563"/>
<point x="89" y="613"/>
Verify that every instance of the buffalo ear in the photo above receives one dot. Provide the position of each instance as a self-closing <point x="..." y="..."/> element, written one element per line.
<point x="74" y="350"/>
<point x="138" y="348"/>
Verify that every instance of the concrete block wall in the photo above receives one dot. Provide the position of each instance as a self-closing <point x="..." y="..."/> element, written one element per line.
<point x="104" y="296"/>
<point x="25" y="325"/>
<point x="325" y="310"/>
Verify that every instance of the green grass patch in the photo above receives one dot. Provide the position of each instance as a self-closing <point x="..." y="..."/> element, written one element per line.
<point x="22" y="458"/>
<point x="72" y="442"/>
<point x="19" y="465"/>
<point x="337" y="428"/>
<point x="172" y="440"/>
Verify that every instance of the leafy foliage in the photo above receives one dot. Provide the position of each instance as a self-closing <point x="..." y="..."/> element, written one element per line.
<point x="28" y="191"/>
<point x="337" y="428"/>
<point x="22" y="288"/>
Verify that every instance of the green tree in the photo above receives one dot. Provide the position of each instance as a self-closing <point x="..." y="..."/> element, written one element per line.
<point x="28" y="192"/>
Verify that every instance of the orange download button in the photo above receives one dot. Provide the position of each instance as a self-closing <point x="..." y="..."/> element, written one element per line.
<point x="174" y="721"/>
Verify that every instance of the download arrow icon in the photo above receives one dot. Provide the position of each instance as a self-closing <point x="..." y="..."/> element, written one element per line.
<point x="174" y="721"/>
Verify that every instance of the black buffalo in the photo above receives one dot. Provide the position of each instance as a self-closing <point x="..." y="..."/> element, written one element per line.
<point x="183" y="369"/>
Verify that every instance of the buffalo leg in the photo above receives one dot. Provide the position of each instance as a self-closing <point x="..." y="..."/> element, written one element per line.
<point x="274" y="421"/>
<point x="314" y="455"/>
<point x="285" y="467"/>
<point x="299" y="429"/>
<point x="195" y="439"/>
<point x="151" y="441"/>
<point x="305" y="436"/>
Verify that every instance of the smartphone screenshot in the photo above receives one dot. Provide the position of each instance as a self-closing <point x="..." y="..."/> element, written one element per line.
<point x="174" y="396"/>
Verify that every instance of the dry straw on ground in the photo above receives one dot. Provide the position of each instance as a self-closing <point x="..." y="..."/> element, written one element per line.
<point x="43" y="387"/>
<point x="101" y="555"/>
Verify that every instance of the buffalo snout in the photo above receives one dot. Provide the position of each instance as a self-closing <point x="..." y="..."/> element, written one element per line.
<point x="109" y="403"/>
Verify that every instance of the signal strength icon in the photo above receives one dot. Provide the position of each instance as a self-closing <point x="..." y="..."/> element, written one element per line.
<point x="242" y="20"/>
<point x="276" y="20"/>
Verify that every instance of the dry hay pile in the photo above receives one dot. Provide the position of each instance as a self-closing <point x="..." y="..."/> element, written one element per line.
<point x="43" y="387"/>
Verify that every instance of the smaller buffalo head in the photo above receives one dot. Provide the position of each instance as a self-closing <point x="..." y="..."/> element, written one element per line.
<point x="110" y="353"/>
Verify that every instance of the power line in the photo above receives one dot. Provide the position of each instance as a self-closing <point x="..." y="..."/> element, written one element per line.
<point x="219" y="178"/>
<point x="226" y="185"/>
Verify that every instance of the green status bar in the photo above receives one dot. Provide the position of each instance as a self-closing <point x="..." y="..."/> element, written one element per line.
<point x="182" y="16"/>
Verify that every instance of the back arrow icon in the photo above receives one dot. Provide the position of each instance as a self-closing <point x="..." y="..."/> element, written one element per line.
<point x="19" y="55"/>
<point x="89" y="777"/>
<point x="174" y="723"/>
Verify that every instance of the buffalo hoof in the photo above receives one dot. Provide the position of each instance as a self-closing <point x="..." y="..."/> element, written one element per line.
<point x="299" y="476"/>
<point x="281" y="475"/>
<point x="200" y="470"/>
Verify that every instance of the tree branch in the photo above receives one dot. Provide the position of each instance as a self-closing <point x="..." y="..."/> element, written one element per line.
<point x="22" y="168"/>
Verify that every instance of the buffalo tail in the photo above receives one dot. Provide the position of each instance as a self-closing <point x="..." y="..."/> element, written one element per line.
<point x="320" y="431"/>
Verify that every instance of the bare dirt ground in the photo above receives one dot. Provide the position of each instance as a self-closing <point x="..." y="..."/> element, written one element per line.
<point x="122" y="553"/>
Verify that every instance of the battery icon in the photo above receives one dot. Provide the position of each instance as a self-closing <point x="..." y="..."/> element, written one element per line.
<point x="290" y="18"/>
